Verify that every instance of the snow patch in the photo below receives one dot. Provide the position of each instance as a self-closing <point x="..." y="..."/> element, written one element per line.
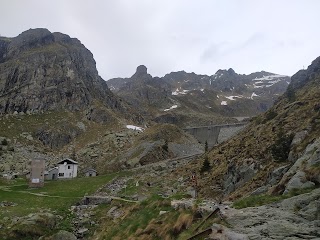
<point x="180" y="92"/>
<point x="135" y="128"/>
<point x="232" y="98"/>
<point x="172" y="107"/>
<point x="268" y="78"/>
<point x="224" y="103"/>
<point x="253" y="95"/>
<point x="267" y="81"/>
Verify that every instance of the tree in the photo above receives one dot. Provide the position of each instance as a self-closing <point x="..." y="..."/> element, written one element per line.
<point x="73" y="154"/>
<point x="290" y="93"/>
<point x="165" y="147"/>
<point x="206" y="146"/>
<point x="205" y="165"/>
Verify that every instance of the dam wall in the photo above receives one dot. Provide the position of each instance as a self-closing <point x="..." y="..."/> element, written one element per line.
<point x="215" y="134"/>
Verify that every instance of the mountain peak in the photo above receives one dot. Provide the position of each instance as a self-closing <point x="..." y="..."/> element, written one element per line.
<point x="141" y="73"/>
<point x="142" y="69"/>
<point x="231" y="71"/>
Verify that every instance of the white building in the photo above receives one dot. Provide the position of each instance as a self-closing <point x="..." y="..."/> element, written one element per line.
<point x="67" y="168"/>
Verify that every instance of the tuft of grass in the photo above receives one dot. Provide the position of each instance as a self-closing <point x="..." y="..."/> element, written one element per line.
<point x="183" y="222"/>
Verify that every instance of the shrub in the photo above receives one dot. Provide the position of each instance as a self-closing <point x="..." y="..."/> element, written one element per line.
<point x="205" y="165"/>
<point x="4" y="142"/>
<point x="281" y="147"/>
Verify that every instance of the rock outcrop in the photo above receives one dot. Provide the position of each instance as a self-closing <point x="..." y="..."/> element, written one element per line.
<point x="294" y="218"/>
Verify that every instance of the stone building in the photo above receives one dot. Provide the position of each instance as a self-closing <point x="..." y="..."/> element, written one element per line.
<point x="37" y="173"/>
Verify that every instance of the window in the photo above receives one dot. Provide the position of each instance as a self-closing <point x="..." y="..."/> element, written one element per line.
<point x="69" y="167"/>
<point x="61" y="174"/>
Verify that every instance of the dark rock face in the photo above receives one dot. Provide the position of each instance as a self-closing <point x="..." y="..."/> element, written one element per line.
<point x="41" y="71"/>
<point x="303" y="76"/>
<point x="56" y="138"/>
<point x="141" y="70"/>
<point x="143" y="91"/>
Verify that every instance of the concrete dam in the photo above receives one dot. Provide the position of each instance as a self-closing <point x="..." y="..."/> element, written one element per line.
<point x="215" y="134"/>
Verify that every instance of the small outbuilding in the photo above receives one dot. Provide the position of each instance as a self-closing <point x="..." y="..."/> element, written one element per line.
<point x="51" y="174"/>
<point x="67" y="168"/>
<point x="90" y="173"/>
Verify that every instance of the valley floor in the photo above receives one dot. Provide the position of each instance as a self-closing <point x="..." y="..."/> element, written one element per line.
<point x="148" y="203"/>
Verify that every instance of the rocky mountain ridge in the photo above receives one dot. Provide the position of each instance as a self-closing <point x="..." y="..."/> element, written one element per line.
<point x="180" y="96"/>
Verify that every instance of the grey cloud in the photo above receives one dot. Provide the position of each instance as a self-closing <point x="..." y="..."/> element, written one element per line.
<point x="171" y="35"/>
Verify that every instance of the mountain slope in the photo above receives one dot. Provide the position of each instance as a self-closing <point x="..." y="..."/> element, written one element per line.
<point x="277" y="148"/>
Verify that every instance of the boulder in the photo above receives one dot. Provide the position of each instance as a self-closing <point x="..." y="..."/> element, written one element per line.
<point x="299" y="137"/>
<point x="260" y="190"/>
<point x="298" y="181"/>
<point x="63" y="235"/>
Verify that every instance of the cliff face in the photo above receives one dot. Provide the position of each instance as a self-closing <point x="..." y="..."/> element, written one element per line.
<point x="41" y="71"/>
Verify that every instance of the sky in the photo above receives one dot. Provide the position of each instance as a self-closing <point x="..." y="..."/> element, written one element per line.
<point x="201" y="36"/>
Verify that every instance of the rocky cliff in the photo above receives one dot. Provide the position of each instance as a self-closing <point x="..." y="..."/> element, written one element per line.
<point x="41" y="71"/>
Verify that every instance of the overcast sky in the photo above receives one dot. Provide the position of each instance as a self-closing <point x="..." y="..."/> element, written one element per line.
<point x="201" y="36"/>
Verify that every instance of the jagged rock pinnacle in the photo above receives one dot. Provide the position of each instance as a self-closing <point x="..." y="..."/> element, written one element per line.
<point x="141" y="70"/>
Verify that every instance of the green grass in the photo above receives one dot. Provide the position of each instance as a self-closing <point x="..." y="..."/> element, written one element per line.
<point x="259" y="200"/>
<point x="59" y="196"/>
<point x="64" y="193"/>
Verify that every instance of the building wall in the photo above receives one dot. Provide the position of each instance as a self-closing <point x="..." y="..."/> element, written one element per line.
<point x="93" y="174"/>
<point x="67" y="170"/>
<point x="52" y="175"/>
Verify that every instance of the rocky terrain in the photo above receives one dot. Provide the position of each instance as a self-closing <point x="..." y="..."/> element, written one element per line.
<point x="277" y="152"/>
<point x="155" y="180"/>
<point x="187" y="98"/>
